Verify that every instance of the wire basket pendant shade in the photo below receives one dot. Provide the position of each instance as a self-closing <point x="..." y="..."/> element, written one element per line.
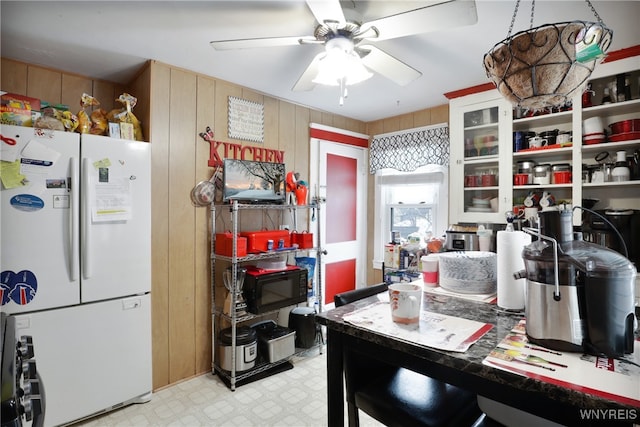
<point x="538" y="68"/>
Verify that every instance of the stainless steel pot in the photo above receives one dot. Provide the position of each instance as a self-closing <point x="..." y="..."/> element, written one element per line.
<point x="246" y="349"/>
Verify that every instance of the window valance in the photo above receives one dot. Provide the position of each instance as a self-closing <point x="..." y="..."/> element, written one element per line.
<point x="409" y="149"/>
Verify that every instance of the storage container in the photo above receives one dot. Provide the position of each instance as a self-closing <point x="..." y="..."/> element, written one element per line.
<point x="274" y="342"/>
<point x="526" y="167"/>
<point x="303" y="321"/>
<point x="304" y="240"/>
<point x="560" y="167"/>
<point x="258" y="241"/>
<point x="542" y="174"/>
<point x="224" y="245"/>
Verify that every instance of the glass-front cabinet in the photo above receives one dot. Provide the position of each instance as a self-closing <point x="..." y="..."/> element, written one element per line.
<point x="477" y="159"/>
<point x="496" y="168"/>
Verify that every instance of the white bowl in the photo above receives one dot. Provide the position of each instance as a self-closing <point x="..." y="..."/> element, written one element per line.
<point x="480" y="202"/>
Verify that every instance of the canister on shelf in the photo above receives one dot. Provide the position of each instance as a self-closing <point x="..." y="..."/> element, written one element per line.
<point x="526" y="167"/>
<point x="559" y="167"/>
<point x="541" y="174"/>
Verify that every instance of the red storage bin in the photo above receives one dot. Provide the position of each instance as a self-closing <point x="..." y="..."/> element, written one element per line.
<point x="304" y="239"/>
<point x="257" y="241"/>
<point x="224" y="245"/>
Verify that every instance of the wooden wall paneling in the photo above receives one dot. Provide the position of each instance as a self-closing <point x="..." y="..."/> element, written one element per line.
<point x="44" y="84"/>
<point x="287" y="133"/>
<point x="315" y="116"/>
<point x="159" y="100"/>
<point x="221" y="127"/>
<point x="406" y="121"/>
<point x="105" y="93"/>
<point x="356" y="126"/>
<point x="422" y="118"/>
<point x="270" y="135"/>
<point x="203" y="335"/>
<point x="339" y="122"/>
<point x="301" y="161"/>
<point x="271" y="123"/>
<point x="391" y="124"/>
<point x="440" y="114"/>
<point x="140" y="88"/>
<point x="252" y="96"/>
<point x="327" y="119"/>
<point x="72" y="89"/>
<point x="301" y="138"/>
<point x="13" y="76"/>
<point x="182" y="134"/>
<point x="375" y="128"/>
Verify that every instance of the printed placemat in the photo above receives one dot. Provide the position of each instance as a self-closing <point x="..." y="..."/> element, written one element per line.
<point x="606" y="377"/>
<point x="434" y="330"/>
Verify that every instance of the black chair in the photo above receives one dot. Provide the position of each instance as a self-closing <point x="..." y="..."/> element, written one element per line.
<point x="360" y="293"/>
<point x="399" y="396"/>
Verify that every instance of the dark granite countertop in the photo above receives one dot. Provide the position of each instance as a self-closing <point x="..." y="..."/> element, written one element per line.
<point x="483" y="379"/>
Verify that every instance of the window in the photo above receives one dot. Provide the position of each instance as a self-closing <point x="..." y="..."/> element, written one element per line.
<point x="412" y="203"/>
<point x="411" y="219"/>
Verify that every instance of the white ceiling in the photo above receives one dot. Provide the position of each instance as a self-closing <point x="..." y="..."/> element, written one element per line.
<point x="111" y="39"/>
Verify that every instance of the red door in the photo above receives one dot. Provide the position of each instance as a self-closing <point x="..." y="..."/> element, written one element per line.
<point x="341" y="176"/>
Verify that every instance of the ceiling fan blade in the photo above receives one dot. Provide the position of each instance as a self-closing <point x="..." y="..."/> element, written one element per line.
<point x="452" y="13"/>
<point x="388" y="66"/>
<point x="305" y="82"/>
<point x="260" y="42"/>
<point x="327" y="11"/>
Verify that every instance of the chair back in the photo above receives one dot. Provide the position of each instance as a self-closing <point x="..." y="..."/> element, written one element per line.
<point x="357" y="294"/>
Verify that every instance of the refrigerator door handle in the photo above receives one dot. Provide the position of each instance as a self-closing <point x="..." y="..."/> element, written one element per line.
<point x="86" y="217"/>
<point x="74" y="219"/>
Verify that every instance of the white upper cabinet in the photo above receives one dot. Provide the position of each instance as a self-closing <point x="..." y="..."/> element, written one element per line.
<point x="484" y="156"/>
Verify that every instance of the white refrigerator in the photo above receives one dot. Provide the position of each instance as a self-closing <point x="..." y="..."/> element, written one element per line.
<point x="75" y="265"/>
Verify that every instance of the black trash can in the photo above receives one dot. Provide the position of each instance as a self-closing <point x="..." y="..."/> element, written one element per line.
<point x="303" y="321"/>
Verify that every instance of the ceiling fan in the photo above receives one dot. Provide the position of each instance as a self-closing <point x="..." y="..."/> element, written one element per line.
<point x="334" y="31"/>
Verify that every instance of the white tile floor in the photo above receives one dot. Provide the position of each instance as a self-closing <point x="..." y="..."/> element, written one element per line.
<point x="293" y="398"/>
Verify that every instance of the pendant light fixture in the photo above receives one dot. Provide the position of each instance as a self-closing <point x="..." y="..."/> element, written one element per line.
<point x="546" y="66"/>
<point x="341" y="66"/>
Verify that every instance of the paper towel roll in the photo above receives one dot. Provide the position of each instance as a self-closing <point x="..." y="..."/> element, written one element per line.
<point x="509" y="245"/>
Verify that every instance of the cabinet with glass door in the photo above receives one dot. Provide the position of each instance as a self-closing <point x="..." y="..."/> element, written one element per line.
<point x="479" y="125"/>
<point x="567" y="144"/>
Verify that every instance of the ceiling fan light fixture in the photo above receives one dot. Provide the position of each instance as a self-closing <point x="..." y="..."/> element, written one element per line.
<point x="341" y="65"/>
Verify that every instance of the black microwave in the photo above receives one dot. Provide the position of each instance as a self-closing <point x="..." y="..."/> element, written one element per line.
<point x="267" y="290"/>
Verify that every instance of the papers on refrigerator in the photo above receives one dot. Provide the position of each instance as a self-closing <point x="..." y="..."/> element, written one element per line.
<point x="112" y="200"/>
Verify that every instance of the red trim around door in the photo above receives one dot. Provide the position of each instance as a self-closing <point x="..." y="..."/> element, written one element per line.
<point x="338" y="137"/>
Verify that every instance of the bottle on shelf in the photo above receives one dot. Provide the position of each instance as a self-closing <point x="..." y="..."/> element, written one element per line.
<point x="587" y="96"/>
<point x="620" y="88"/>
<point x="606" y="97"/>
<point x="627" y="89"/>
